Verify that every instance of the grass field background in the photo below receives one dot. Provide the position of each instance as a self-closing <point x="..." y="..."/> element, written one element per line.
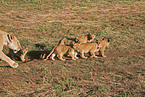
<point x="45" y="22"/>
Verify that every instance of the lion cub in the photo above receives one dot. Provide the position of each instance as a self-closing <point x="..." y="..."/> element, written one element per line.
<point x="81" y="39"/>
<point x="87" y="47"/>
<point x="20" y="54"/>
<point x="68" y="41"/>
<point x="104" y="43"/>
<point x="87" y="38"/>
<point x="60" y="50"/>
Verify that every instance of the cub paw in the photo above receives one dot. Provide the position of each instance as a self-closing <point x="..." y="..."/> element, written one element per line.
<point x="85" y="57"/>
<point x="76" y="57"/>
<point x="104" y="56"/>
<point x="53" y="59"/>
<point x="23" y="60"/>
<point x="93" y="56"/>
<point x="62" y="59"/>
<point x="45" y="59"/>
<point x="15" y="65"/>
<point x="73" y="59"/>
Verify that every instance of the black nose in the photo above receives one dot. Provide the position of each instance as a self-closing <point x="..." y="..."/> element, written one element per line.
<point x="15" y="51"/>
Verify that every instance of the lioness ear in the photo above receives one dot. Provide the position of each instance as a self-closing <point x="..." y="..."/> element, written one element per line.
<point x="11" y="36"/>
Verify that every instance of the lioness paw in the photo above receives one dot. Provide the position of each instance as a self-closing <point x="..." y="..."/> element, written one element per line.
<point x="15" y="65"/>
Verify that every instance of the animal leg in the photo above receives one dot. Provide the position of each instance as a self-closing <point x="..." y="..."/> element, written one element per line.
<point x="72" y="54"/>
<point x="8" y="60"/>
<point x="102" y="52"/>
<point x="53" y="55"/>
<point x="60" y="57"/>
<point x="76" y="55"/>
<point x="22" y="58"/>
<point x="93" y="54"/>
<point x="82" y="55"/>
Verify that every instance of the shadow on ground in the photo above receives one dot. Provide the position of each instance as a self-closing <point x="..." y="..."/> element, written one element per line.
<point x="37" y="54"/>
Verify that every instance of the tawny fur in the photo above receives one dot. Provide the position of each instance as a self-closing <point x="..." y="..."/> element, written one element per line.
<point x="68" y="41"/>
<point x="63" y="42"/>
<point x="20" y="54"/>
<point x="60" y="50"/>
<point x="12" y="42"/>
<point x="104" y="43"/>
<point x="87" y="38"/>
<point x="87" y="47"/>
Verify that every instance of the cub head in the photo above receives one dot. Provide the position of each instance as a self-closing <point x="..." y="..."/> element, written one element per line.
<point x="13" y="43"/>
<point x="76" y="40"/>
<point x="107" y="41"/>
<point x="23" y="52"/>
<point x="91" y="36"/>
<point x="99" y="43"/>
<point x="79" y="39"/>
<point x="76" y="46"/>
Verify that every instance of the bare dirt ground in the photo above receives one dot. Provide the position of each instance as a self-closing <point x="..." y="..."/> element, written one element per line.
<point x="36" y="77"/>
<point x="39" y="27"/>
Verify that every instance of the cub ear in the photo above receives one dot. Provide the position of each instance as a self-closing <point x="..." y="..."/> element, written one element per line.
<point x="22" y="47"/>
<point x="89" y="34"/>
<point x="109" y="40"/>
<point x="97" y="41"/>
<point x="11" y="36"/>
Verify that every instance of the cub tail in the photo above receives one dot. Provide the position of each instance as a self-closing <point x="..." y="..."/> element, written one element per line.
<point x="51" y="52"/>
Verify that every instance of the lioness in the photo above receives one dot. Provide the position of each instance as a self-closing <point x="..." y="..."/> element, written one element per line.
<point x="13" y="43"/>
<point x="60" y="50"/>
<point x="20" y="54"/>
<point x="87" y="47"/>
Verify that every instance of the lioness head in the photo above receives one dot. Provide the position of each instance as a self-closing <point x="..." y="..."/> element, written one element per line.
<point x="13" y="43"/>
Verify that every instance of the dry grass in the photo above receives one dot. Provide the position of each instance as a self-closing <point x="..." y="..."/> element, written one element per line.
<point x="45" y="22"/>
